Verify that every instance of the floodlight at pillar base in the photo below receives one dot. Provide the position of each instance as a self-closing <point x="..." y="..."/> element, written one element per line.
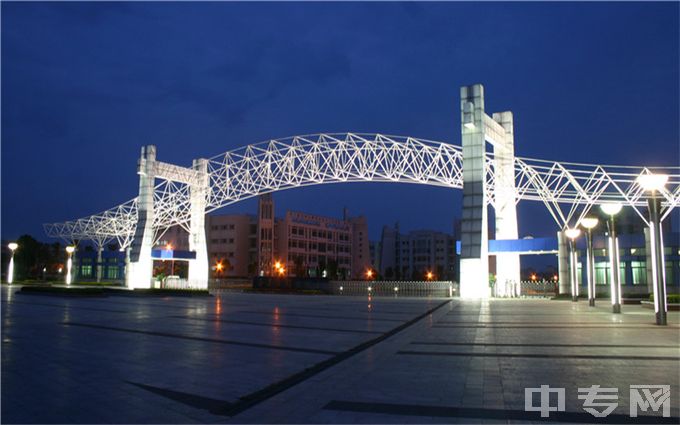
<point x="474" y="279"/>
<point x="139" y="275"/>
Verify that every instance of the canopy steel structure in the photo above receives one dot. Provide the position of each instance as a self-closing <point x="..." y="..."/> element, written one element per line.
<point x="351" y="157"/>
<point x="171" y="195"/>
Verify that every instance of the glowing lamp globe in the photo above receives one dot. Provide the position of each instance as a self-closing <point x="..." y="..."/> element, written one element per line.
<point x="572" y="233"/>
<point x="12" y="245"/>
<point x="652" y="181"/>
<point x="589" y="222"/>
<point x="611" y="209"/>
<point x="70" y="249"/>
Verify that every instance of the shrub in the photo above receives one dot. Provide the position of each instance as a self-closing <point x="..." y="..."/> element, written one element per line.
<point x="670" y="298"/>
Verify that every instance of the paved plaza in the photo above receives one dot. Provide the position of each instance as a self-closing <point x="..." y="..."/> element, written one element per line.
<point x="255" y="358"/>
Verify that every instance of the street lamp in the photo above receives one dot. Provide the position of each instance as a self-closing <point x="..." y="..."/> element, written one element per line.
<point x="69" y="263"/>
<point x="168" y="247"/>
<point x="572" y="234"/>
<point x="10" y="273"/>
<point x="615" y="287"/>
<point x="369" y="274"/>
<point x="654" y="183"/>
<point x="589" y="223"/>
<point x="429" y="275"/>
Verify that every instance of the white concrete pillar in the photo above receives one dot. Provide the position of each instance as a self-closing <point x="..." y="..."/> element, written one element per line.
<point x="139" y="272"/>
<point x="505" y="194"/>
<point x="563" y="263"/>
<point x="199" y="269"/>
<point x="99" y="262"/>
<point x="649" y="260"/>
<point x="474" y="263"/>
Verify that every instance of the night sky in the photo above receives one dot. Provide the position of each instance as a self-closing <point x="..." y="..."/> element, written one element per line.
<point x="84" y="86"/>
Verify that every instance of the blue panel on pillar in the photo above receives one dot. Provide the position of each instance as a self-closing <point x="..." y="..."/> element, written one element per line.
<point x="169" y="254"/>
<point x="520" y="246"/>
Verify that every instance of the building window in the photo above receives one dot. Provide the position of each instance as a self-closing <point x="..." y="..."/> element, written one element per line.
<point x="670" y="277"/>
<point x="112" y="272"/>
<point x="602" y="273"/>
<point x="639" y="272"/>
<point x="622" y="273"/>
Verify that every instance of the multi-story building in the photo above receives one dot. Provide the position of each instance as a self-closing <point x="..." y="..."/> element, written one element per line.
<point x="415" y="254"/>
<point x="312" y="245"/>
<point x="232" y="244"/>
<point x="303" y="244"/>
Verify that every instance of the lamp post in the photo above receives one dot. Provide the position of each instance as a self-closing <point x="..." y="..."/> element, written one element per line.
<point x="10" y="272"/>
<point x="615" y="287"/>
<point x="69" y="263"/>
<point x="654" y="183"/>
<point x="168" y="247"/>
<point x="572" y="234"/>
<point x="589" y="223"/>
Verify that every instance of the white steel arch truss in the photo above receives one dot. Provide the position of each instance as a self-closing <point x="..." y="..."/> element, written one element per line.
<point x="568" y="190"/>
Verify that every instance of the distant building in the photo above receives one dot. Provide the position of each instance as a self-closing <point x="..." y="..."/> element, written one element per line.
<point x="303" y="244"/>
<point x="317" y="246"/>
<point x="232" y="243"/>
<point x="411" y="256"/>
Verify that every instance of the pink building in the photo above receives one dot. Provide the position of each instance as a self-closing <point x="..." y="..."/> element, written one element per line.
<point x="303" y="244"/>
<point x="232" y="245"/>
<point x="312" y="245"/>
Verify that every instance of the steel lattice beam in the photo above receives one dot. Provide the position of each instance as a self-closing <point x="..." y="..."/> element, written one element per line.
<point x="568" y="190"/>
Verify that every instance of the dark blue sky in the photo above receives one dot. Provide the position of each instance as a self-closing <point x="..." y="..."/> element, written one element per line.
<point x="84" y="86"/>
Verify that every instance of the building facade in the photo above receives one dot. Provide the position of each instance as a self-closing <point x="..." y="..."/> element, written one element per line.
<point x="413" y="255"/>
<point x="316" y="246"/>
<point x="302" y="244"/>
<point x="232" y="244"/>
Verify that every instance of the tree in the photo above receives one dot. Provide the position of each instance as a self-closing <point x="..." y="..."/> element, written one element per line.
<point x="389" y="273"/>
<point x="299" y="267"/>
<point x="321" y="267"/>
<point x="28" y="257"/>
<point x="332" y="268"/>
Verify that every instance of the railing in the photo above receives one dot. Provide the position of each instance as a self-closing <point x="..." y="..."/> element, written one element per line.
<point x="174" y="282"/>
<point x="229" y="284"/>
<point x="394" y="288"/>
<point x="525" y="289"/>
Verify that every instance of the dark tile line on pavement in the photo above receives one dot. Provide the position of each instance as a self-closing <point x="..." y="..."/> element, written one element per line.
<point x="250" y="400"/>
<point x="67" y="306"/>
<point x="360" y="311"/>
<point x="492" y="414"/>
<point x="273" y="325"/>
<point x="534" y="324"/>
<point x="650" y="326"/>
<point x="500" y="313"/>
<point x="196" y="401"/>
<point x="486" y="344"/>
<point x="138" y="303"/>
<point x="538" y="356"/>
<point x="203" y="339"/>
<point x="321" y="316"/>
